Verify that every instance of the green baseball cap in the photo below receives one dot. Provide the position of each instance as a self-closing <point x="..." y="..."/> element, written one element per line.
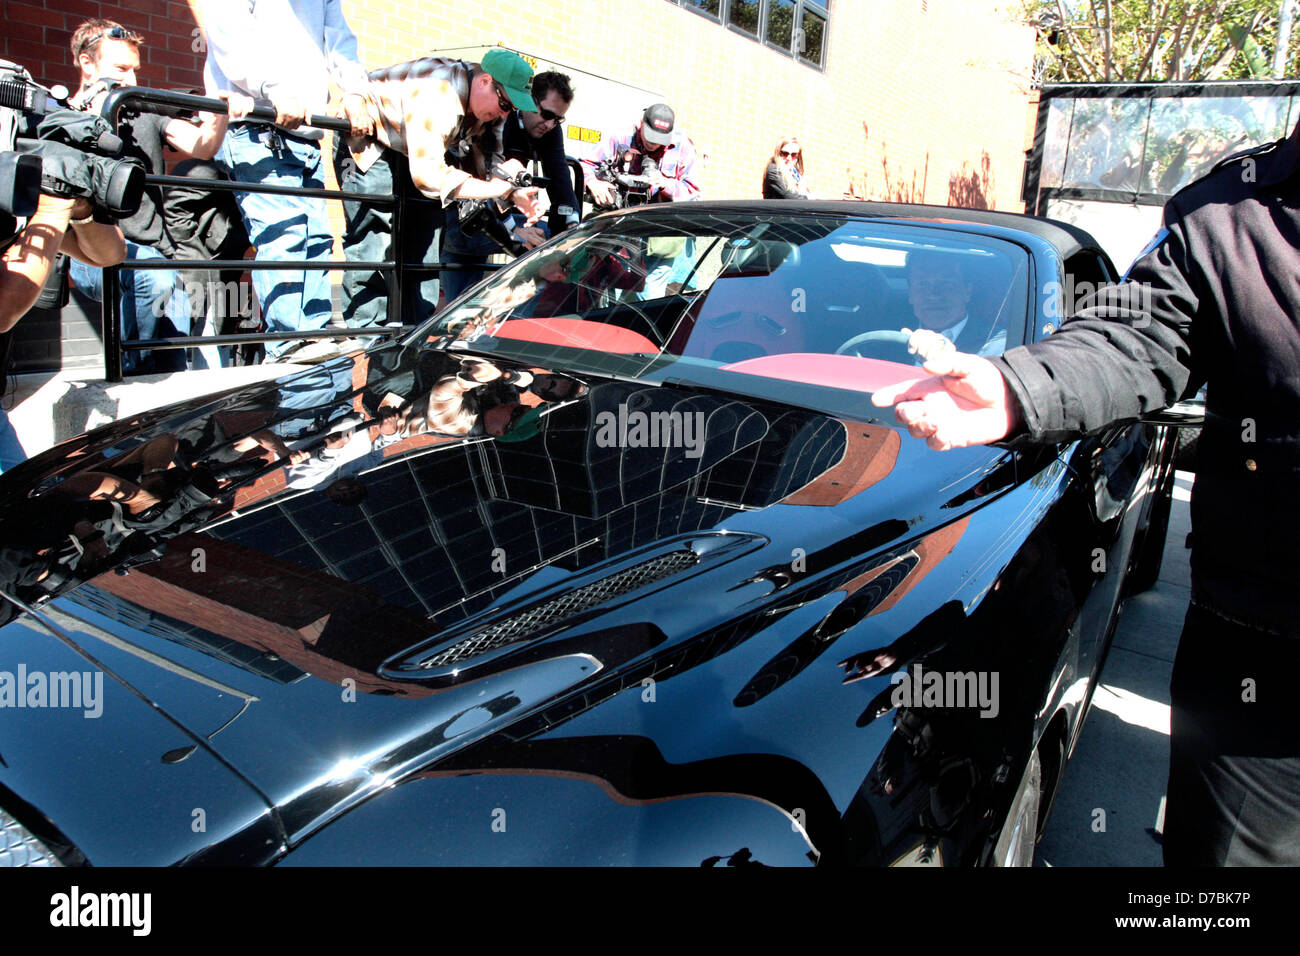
<point x="525" y="427"/>
<point x="513" y="72"/>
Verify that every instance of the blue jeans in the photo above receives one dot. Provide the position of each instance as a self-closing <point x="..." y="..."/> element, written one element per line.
<point x="11" y="449"/>
<point x="472" y="250"/>
<point x="467" y="250"/>
<point x="368" y="237"/>
<point x="309" y="402"/>
<point x="154" y="305"/>
<point x="283" y="227"/>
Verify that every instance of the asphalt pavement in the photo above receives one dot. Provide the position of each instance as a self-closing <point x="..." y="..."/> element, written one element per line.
<point x="1111" y="805"/>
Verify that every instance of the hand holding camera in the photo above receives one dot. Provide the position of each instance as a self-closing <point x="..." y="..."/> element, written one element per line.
<point x="630" y="180"/>
<point x="74" y="149"/>
<point x="523" y="189"/>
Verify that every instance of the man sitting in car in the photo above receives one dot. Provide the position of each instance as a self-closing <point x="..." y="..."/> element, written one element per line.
<point x="939" y="291"/>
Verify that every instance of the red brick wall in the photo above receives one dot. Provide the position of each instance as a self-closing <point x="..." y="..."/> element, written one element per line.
<point x="37" y="33"/>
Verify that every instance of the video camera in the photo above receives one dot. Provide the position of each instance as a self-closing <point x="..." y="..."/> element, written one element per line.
<point x="480" y="216"/>
<point x="60" y="152"/>
<point x="630" y="174"/>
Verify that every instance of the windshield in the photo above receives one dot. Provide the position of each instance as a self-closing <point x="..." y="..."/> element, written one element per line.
<point x="789" y="307"/>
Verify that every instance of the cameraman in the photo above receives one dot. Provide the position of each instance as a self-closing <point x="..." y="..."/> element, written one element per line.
<point x="108" y="55"/>
<point x="652" y="150"/>
<point x="58" y="224"/>
<point x="528" y="136"/>
<point x="437" y="128"/>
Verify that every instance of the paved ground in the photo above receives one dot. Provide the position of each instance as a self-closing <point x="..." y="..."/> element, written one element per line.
<point x="1111" y="803"/>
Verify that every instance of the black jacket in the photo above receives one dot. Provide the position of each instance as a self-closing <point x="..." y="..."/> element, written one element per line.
<point x="549" y="151"/>
<point x="1223" y="277"/>
<point x="774" y="185"/>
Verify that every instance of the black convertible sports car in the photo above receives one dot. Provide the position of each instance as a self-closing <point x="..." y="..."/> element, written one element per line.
<point x="613" y="562"/>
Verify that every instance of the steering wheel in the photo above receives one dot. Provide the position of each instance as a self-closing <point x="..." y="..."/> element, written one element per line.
<point x="881" y="337"/>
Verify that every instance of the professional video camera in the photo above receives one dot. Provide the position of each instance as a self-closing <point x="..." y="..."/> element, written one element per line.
<point x="631" y="175"/>
<point x="74" y="150"/>
<point x="480" y="216"/>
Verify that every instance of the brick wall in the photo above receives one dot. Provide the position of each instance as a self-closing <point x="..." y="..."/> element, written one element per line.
<point x="918" y="101"/>
<point x="37" y="33"/>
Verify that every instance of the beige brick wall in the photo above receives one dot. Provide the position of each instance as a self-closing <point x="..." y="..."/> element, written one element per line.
<point x="919" y="100"/>
<point x="923" y="102"/>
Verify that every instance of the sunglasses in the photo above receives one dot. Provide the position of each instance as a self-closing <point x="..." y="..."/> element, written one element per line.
<point x="549" y="116"/>
<point x="791" y="155"/>
<point x="113" y="33"/>
<point x="503" y="100"/>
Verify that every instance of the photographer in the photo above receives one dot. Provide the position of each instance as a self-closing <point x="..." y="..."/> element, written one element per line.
<point x="437" y="128"/>
<point x="653" y="151"/>
<point x="108" y="55"/>
<point x="41" y="214"/>
<point x="528" y="136"/>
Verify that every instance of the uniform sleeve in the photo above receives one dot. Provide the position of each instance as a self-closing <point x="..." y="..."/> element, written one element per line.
<point x="1127" y="351"/>
<point x="684" y="186"/>
<point x="341" y="50"/>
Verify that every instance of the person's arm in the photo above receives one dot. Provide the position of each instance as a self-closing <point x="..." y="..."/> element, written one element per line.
<point x="199" y="141"/>
<point x="610" y="147"/>
<point x="28" y="259"/>
<point x="1115" y="361"/>
<point x="345" y="68"/>
<point x="235" y="44"/>
<point x="555" y="167"/>
<point x="682" y="185"/>
<point x="429" y="125"/>
<point x="1118" y="361"/>
<point x="247" y="57"/>
<point x="428" y="129"/>
<point x="94" y="243"/>
<point x="341" y="51"/>
<point x="774" y="184"/>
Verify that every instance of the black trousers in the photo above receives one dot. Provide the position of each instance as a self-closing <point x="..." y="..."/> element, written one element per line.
<point x="1234" y="767"/>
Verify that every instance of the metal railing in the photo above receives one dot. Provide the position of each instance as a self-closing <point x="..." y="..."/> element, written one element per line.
<point x="395" y="270"/>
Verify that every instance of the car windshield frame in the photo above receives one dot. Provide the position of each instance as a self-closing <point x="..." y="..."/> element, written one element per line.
<point x="732" y="237"/>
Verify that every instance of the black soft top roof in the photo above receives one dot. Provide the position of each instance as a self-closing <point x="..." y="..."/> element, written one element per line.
<point x="1067" y="239"/>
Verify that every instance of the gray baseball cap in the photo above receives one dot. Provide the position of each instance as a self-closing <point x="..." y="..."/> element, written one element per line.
<point x="657" y="124"/>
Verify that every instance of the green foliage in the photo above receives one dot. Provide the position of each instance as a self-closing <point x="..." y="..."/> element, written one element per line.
<point x="1134" y="41"/>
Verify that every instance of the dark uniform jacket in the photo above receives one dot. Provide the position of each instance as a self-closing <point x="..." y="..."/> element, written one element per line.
<point x="1224" y="282"/>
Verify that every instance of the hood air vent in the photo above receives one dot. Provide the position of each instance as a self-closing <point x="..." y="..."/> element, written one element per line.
<point x="543" y="617"/>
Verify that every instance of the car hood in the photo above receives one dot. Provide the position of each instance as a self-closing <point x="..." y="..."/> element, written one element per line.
<point x="325" y="636"/>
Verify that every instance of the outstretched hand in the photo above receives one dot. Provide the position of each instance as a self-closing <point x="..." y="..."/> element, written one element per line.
<point x="965" y="401"/>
